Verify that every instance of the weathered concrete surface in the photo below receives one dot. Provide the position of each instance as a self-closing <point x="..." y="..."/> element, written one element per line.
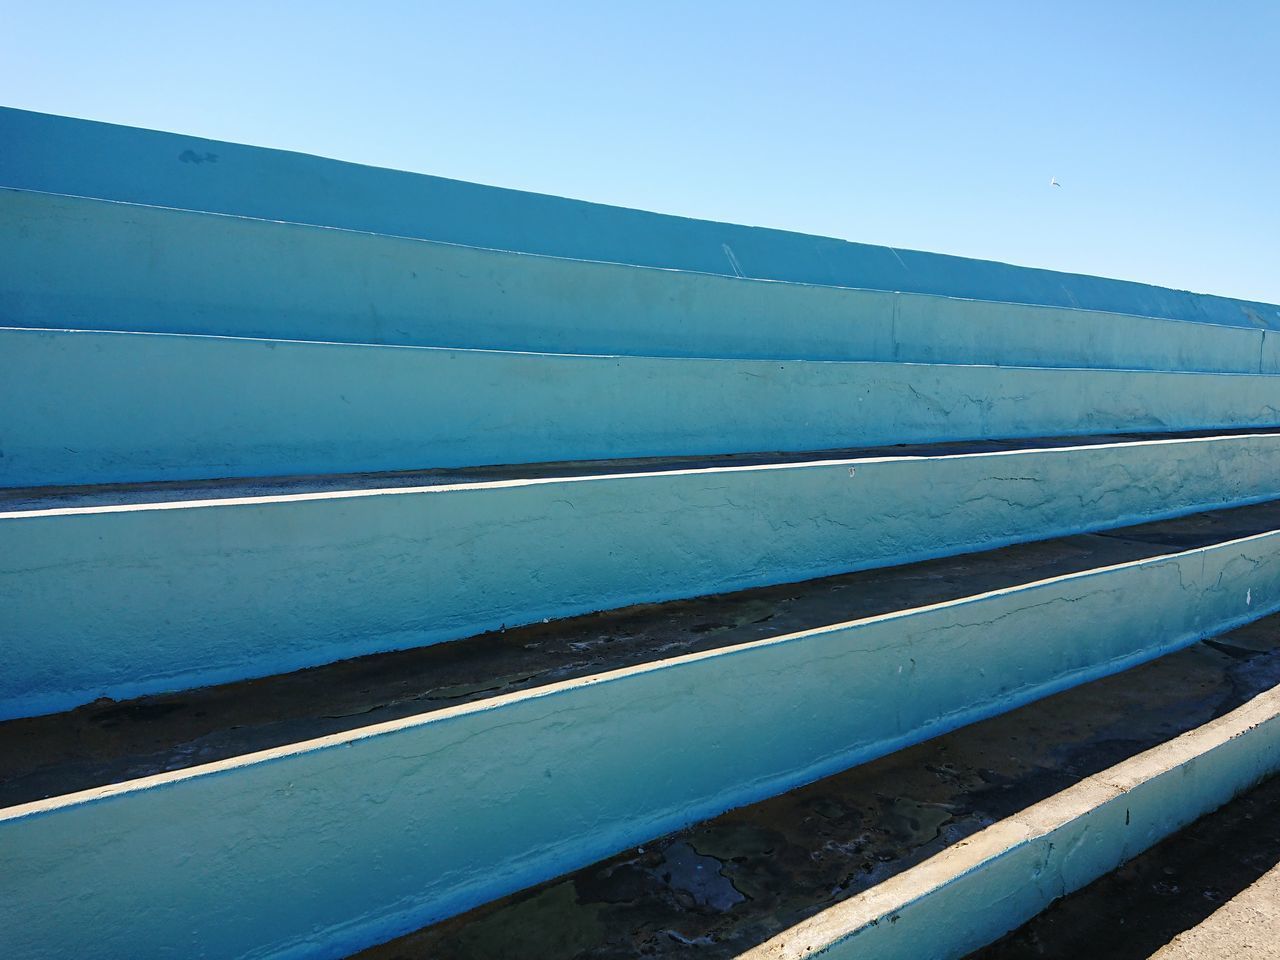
<point x="1248" y="925"/>
<point x="107" y="742"/>
<point x="231" y="488"/>
<point x="63" y="155"/>
<point x="973" y="892"/>
<point x="428" y="816"/>
<point x="235" y="588"/>
<point x="768" y="866"/>
<point x="168" y="407"/>
<point x="74" y="262"/>
<point x="1210" y="892"/>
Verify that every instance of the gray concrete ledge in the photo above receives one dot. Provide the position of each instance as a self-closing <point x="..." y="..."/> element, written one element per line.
<point x="722" y="886"/>
<point x="980" y="888"/>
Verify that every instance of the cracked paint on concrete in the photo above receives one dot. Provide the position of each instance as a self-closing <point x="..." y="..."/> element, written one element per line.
<point x="824" y="843"/>
<point x="504" y="793"/>
<point x="273" y="583"/>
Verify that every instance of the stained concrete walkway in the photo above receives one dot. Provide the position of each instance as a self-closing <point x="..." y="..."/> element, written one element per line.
<point x="1248" y="925"/>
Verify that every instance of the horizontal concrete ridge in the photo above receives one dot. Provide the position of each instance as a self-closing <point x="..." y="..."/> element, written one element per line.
<point x="91" y="264"/>
<point x="180" y="492"/>
<point x="982" y="887"/>
<point x="393" y="825"/>
<point x="233" y="593"/>
<point x="727" y="884"/>
<point x="376" y="547"/>
<point x="1210" y="891"/>
<point x="83" y="158"/>
<point x="167" y="407"/>
<point x="112" y="740"/>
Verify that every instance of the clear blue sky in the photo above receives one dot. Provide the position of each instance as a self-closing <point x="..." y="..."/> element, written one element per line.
<point x="934" y="126"/>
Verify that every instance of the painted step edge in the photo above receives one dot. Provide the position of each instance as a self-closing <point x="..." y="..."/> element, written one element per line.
<point x="96" y="264"/>
<point x="141" y="406"/>
<point x="71" y="156"/>
<point x="324" y="847"/>
<point x="146" y="598"/>
<point x="981" y="888"/>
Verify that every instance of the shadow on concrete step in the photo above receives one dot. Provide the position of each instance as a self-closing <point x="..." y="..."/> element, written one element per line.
<point x="730" y="883"/>
<point x="1132" y="913"/>
<point x="108" y="741"/>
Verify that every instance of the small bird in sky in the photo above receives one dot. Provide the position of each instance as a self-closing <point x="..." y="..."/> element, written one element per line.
<point x="1053" y="182"/>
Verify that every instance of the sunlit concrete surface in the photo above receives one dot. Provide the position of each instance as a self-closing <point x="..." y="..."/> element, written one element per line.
<point x="170" y="407"/>
<point x="1247" y="925"/>
<point x="730" y="884"/>
<point x="109" y="741"/>
<point x="83" y="158"/>
<point x="399" y="564"/>
<point x="512" y="790"/>
<point x="973" y="892"/>
<point x="491" y="554"/>
<point x="1209" y="892"/>
<point x="97" y="265"/>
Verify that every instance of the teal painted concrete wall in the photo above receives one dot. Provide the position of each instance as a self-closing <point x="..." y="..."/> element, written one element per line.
<point x="438" y="814"/>
<point x="90" y="264"/>
<point x="320" y="848"/>
<point x="134" y="407"/>
<point x="62" y="155"/>
<point x="231" y="588"/>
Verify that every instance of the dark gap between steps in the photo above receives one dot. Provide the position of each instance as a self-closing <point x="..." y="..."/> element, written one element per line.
<point x="108" y="741"/>
<point x="732" y="882"/>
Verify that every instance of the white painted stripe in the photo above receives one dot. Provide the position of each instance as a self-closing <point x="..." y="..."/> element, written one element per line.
<point x="353" y="494"/>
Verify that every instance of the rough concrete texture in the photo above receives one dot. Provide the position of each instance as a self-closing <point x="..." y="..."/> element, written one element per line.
<point x="439" y="812"/>
<point x="1248" y="925"/>
<point x="113" y="495"/>
<point x="107" y="741"/>
<point x="730" y="883"/>
<point x="1210" y="892"/>
<point x="259" y="585"/>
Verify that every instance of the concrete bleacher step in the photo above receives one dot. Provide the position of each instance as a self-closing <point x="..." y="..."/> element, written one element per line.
<point x="942" y="847"/>
<point x="378" y="550"/>
<point x="126" y="590"/>
<point x="340" y="807"/>
<point x="81" y="263"/>
<point x="83" y="158"/>
<point x="171" y="407"/>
